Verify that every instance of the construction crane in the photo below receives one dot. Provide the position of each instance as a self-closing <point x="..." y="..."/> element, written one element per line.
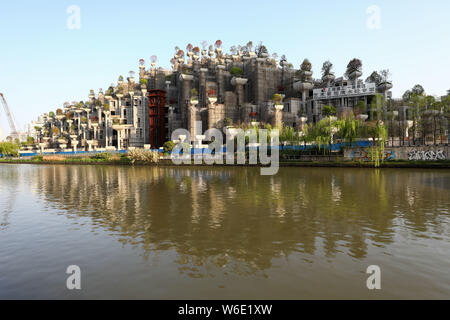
<point x="14" y="133"/>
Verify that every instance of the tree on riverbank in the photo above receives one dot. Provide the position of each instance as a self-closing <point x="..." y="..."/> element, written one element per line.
<point x="378" y="132"/>
<point x="9" y="149"/>
<point x="348" y="129"/>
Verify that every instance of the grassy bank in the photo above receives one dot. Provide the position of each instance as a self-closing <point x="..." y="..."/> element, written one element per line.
<point x="125" y="160"/>
<point x="360" y="164"/>
<point x="101" y="159"/>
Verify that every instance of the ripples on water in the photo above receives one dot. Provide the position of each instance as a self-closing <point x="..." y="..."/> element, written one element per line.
<point x="229" y="227"/>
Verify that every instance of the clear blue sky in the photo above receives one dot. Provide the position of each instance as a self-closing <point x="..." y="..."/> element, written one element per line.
<point x="43" y="63"/>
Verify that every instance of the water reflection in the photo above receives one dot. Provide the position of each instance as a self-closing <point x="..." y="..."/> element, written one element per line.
<point x="233" y="217"/>
<point x="8" y="195"/>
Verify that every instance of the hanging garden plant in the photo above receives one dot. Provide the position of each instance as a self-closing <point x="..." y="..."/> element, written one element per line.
<point x="236" y="71"/>
<point x="194" y="93"/>
<point x="277" y="98"/>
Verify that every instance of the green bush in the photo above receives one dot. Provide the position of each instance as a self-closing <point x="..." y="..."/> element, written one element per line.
<point x="277" y="98"/>
<point x="9" y="149"/>
<point x="141" y="155"/>
<point x="168" y="146"/>
<point x="227" y="122"/>
<point x="38" y="158"/>
<point x="102" y="156"/>
<point x="194" y="93"/>
<point x="236" y="71"/>
<point x="328" y="111"/>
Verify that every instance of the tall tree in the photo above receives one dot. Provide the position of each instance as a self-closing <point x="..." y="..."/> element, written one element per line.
<point x="418" y="90"/>
<point x="417" y="102"/>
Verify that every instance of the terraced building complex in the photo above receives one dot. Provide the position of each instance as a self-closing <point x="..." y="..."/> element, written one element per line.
<point x="209" y="86"/>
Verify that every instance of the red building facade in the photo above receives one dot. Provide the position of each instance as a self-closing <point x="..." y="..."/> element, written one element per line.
<point x="157" y="117"/>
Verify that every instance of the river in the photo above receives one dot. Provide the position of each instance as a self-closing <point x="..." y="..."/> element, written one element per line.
<point x="223" y="233"/>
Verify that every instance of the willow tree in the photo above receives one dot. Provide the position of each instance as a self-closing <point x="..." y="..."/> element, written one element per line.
<point x="322" y="132"/>
<point x="288" y="134"/>
<point x="378" y="132"/>
<point x="9" y="149"/>
<point x="307" y="135"/>
<point x="348" y="129"/>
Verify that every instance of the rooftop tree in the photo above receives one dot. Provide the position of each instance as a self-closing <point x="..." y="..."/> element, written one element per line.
<point x="375" y="77"/>
<point x="354" y="65"/>
<point x="326" y="68"/>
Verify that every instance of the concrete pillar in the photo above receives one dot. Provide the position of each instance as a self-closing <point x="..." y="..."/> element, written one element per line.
<point x="211" y="116"/>
<point x="202" y="92"/>
<point x="240" y="94"/>
<point x="88" y="121"/>
<point x="259" y="81"/>
<point x="220" y="84"/>
<point x="278" y="115"/>
<point x="304" y="106"/>
<point x="192" y="121"/>
<point x="186" y="88"/>
<point x="106" y="130"/>
<point x="141" y="72"/>
<point x="74" y="145"/>
<point x="302" y="123"/>
<point x="79" y="122"/>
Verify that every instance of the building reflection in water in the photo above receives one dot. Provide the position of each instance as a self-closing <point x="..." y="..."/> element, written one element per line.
<point x="216" y="217"/>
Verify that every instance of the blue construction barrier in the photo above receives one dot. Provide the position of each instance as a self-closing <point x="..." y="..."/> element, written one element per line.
<point x="333" y="147"/>
<point x="71" y="153"/>
<point x="198" y="151"/>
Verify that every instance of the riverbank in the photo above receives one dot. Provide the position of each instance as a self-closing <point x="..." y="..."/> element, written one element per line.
<point x="444" y="164"/>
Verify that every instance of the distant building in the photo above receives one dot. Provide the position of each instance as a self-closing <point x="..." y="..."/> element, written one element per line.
<point x="210" y="87"/>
